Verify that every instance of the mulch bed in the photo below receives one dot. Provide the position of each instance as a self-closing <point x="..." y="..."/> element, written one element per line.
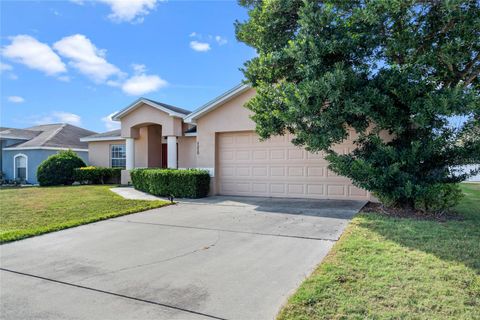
<point x="409" y="213"/>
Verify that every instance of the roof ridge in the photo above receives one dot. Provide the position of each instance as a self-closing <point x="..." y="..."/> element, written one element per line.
<point x="54" y="133"/>
<point x="166" y="105"/>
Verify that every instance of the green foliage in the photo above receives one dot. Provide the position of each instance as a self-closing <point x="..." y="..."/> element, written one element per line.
<point x="438" y="197"/>
<point x="390" y="268"/>
<point x="97" y="175"/>
<point x="58" y="169"/>
<point x="50" y="209"/>
<point x="330" y="70"/>
<point x="190" y="183"/>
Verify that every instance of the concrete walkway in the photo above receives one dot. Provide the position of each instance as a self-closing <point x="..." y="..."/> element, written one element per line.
<point x="213" y="258"/>
<point x="133" y="194"/>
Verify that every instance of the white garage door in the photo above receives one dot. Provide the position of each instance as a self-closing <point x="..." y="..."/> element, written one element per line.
<point x="277" y="168"/>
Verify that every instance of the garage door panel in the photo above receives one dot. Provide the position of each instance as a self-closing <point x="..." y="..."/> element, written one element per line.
<point x="297" y="189"/>
<point x="295" y="154"/>
<point x="277" y="154"/>
<point x="315" y="189"/>
<point x="315" y="172"/>
<point x="335" y="190"/>
<point x="277" y="171"/>
<point x="277" y="168"/>
<point x="296" y="171"/>
<point x="260" y="154"/>
<point x="260" y="172"/>
<point x="354" y="191"/>
<point x="277" y="188"/>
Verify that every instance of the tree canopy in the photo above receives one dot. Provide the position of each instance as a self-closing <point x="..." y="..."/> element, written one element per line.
<point x="404" y="68"/>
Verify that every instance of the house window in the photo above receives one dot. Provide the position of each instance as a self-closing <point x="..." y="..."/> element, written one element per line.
<point x="117" y="156"/>
<point x="20" y="170"/>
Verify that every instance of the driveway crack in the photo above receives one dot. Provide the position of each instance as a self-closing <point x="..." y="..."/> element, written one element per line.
<point x="205" y="247"/>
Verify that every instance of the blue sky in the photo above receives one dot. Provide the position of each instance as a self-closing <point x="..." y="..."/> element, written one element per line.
<point x="79" y="61"/>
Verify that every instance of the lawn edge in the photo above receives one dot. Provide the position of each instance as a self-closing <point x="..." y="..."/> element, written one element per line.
<point x="76" y="223"/>
<point x="331" y="255"/>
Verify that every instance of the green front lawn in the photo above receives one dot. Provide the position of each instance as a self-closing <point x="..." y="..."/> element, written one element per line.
<point x="26" y="212"/>
<point x="391" y="268"/>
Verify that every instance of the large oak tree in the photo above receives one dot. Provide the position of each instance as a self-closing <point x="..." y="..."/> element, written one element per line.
<point x="402" y="67"/>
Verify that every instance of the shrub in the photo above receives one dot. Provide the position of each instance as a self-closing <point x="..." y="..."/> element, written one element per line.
<point x="58" y="169"/>
<point x="97" y="175"/>
<point x="189" y="183"/>
<point x="439" y="197"/>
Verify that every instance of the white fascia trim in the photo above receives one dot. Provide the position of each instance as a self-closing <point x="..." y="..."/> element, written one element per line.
<point x="134" y="105"/>
<point x="44" y="148"/>
<point x="211" y="105"/>
<point x="15" y="164"/>
<point x="190" y="134"/>
<point x="87" y="139"/>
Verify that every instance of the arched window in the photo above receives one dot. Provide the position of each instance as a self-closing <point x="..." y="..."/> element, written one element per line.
<point x="20" y="162"/>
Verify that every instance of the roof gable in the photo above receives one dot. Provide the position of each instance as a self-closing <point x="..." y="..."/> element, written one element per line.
<point x="217" y="102"/>
<point x="168" y="109"/>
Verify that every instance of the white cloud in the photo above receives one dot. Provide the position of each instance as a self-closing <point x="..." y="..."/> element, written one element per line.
<point x="34" y="54"/>
<point x="199" y="46"/>
<point x="67" y="117"/>
<point x="129" y="11"/>
<point x="58" y="116"/>
<point x="64" y="78"/>
<point x="5" y="67"/>
<point x="221" y="40"/>
<point x="193" y="34"/>
<point x="109" y="123"/>
<point x="79" y="2"/>
<point x="86" y="58"/>
<point x="141" y="84"/>
<point x="139" y="68"/>
<point x="16" y="99"/>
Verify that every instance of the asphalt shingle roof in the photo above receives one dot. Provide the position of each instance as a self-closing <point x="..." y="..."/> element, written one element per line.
<point x="108" y="134"/>
<point x="13" y="133"/>
<point x="170" y="107"/>
<point x="58" y="135"/>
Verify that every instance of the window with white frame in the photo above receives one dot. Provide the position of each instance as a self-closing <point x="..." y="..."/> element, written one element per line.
<point x="117" y="156"/>
<point x="21" y="167"/>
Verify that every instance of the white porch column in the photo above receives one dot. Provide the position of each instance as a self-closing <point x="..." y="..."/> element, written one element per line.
<point x="172" y="152"/>
<point x="130" y="153"/>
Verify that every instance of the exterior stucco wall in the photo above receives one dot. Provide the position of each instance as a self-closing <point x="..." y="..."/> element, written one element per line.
<point x="34" y="158"/>
<point x="99" y="152"/>
<point x="154" y="146"/>
<point x="187" y="157"/>
<point x="145" y="115"/>
<point x="148" y="147"/>
<point x="141" y="148"/>
<point x="5" y="144"/>
<point x="229" y="117"/>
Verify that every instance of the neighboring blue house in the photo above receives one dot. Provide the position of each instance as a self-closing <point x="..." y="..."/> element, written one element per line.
<point x="24" y="149"/>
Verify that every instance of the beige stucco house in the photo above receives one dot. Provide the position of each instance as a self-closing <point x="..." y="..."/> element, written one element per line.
<point x="218" y="137"/>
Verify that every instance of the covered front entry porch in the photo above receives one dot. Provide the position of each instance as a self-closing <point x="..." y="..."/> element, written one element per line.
<point x="151" y="135"/>
<point x="148" y="148"/>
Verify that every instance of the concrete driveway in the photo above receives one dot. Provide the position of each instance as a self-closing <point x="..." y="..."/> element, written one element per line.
<point x="218" y="258"/>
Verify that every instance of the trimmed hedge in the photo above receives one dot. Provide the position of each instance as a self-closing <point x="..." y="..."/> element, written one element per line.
<point x="58" y="169"/>
<point x="188" y="183"/>
<point x="97" y="175"/>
